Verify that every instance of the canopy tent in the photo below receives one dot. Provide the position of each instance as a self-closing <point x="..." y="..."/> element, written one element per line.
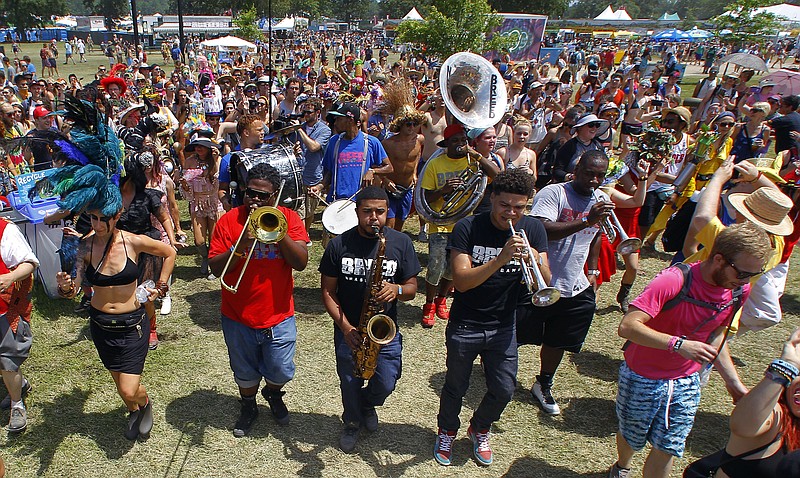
<point x="669" y="17"/>
<point x="607" y="14"/>
<point x="621" y="14"/>
<point x="67" y="22"/>
<point x="698" y="35"/>
<point x="285" y="24"/>
<point x="413" y="14"/>
<point x="784" y="11"/>
<point x="673" y="34"/>
<point x="229" y="43"/>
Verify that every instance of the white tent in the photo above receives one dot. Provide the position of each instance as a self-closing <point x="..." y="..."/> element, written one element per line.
<point x="608" y="14"/>
<point x="229" y="43"/>
<point x="784" y="11"/>
<point x="68" y="22"/>
<point x="413" y="14"/>
<point x="621" y="14"/>
<point x="285" y="24"/>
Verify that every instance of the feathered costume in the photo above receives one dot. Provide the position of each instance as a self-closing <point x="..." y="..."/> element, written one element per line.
<point x="400" y="103"/>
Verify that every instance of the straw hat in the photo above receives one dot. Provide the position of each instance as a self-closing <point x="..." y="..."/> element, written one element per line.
<point x="769" y="167"/>
<point x="766" y="207"/>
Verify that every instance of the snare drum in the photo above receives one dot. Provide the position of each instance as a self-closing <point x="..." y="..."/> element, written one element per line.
<point x="339" y="216"/>
<point x="280" y="157"/>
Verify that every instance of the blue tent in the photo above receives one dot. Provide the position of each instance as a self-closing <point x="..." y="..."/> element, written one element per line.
<point x="699" y="35"/>
<point x="673" y="34"/>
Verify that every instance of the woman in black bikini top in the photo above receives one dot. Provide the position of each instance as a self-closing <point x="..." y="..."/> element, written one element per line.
<point x="119" y="325"/>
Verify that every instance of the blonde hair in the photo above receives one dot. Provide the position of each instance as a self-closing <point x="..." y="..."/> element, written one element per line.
<point x="762" y="106"/>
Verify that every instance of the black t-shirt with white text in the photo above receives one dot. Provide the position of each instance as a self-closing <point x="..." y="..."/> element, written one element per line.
<point x="349" y="259"/>
<point x="492" y="304"/>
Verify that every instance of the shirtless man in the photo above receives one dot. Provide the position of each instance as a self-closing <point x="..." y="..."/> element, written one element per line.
<point x="433" y="132"/>
<point x="404" y="150"/>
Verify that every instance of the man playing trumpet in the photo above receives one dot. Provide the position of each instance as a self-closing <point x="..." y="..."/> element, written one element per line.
<point x="487" y="274"/>
<point x="258" y="319"/>
<point x="346" y="278"/>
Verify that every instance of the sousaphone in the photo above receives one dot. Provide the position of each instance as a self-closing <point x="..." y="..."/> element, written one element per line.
<point x="475" y="94"/>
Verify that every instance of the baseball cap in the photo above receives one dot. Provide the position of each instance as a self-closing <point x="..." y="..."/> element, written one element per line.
<point x="350" y="110"/>
<point x="449" y="132"/>
<point x="40" y="111"/>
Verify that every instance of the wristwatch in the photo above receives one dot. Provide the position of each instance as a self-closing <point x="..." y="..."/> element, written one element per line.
<point x="593" y="272"/>
<point x="585" y="221"/>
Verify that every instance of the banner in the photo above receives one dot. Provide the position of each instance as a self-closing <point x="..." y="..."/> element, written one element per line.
<point x="526" y="33"/>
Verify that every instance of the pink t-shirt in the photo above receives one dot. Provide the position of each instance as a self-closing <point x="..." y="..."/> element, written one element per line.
<point x="682" y="319"/>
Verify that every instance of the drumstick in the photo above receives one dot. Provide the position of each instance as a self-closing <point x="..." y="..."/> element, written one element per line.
<point x="343" y="206"/>
<point x="319" y="196"/>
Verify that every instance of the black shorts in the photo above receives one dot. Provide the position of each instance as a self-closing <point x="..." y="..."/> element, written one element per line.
<point x="563" y="325"/>
<point x="652" y="206"/>
<point x="122" y="346"/>
<point x="630" y="129"/>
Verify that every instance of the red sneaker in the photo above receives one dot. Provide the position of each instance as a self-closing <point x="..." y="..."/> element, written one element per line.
<point x="480" y="446"/>
<point x="443" y="449"/>
<point x="428" y="315"/>
<point x="153" y="342"/>
<point x="441" y="308"/>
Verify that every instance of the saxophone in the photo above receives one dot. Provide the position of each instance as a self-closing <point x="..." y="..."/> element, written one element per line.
<point x="376" y="329"/>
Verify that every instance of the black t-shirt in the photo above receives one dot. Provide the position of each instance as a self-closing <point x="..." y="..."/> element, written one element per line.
<point x="40" y="148"/>
<point x="349" y="258"/>
<point x="492" y="304"/>
<point x="136" y="217"/>
<point x="783" y="126"/>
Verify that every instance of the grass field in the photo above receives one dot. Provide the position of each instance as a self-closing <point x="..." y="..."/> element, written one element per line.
<point x="76" y="418"/>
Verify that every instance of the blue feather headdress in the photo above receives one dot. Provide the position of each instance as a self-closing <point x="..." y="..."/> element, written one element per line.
<point x="90" y="190"/>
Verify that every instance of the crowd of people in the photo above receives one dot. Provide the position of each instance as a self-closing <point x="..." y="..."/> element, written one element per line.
<point x="586" y="153"/>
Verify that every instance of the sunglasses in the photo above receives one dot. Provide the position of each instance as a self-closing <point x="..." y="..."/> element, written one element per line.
<point x="410" y="124"/>
<point x="594" y="124"/>
<point x="258" y="195"/>
<point x="725" y="125"/>
<point x="740" y="274"/>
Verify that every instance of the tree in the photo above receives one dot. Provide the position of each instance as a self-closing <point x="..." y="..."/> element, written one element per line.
<point x="110" y="9"/>
<point x="747" y="26"/>
<point x="29" y="13"/>
<point x="552" y="8"/>
<point x="452" y="26"/>
<point x="247" y="25"/>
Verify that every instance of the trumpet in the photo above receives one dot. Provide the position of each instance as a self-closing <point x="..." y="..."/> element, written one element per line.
<point x="611" y="228"/>
<point x="268" y="225"/>
<point x="543" y="295"/>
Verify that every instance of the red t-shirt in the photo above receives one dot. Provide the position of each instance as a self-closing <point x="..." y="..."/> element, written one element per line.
<point x="265" y="295"/>
<point x="683" y="319"/>
<point x="604" y="96"/>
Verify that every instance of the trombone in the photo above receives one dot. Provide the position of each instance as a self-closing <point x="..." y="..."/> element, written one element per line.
<point x="268" y="225"/>
<point x="543" y="295"/>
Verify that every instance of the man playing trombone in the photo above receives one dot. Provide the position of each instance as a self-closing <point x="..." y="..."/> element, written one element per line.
<point x="258" y="312"/>
<point x="488" y="258"/>
<point x="571" y="213"/>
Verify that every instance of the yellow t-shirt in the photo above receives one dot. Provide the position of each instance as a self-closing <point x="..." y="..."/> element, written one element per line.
<point x="438" y="171"/>
<point x="707" y="168"/>
<point x="709" y="234"/>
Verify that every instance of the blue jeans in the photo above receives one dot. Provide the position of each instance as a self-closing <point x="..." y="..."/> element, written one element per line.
<point x="355" y="396"/>
<point x="498" y="349"/>
<point x="257" y="353"/>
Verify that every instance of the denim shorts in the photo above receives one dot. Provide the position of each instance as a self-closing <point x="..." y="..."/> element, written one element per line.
<point x="257" y="353"/>
<point x="659" y="411"/>
<point x="401" y="206"/>
<point x="438" y="259"/>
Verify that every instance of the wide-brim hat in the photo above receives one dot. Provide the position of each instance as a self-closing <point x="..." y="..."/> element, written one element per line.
<point x="769" y="167"/>
<point x="413" y="72"/>
<point x="222" y="78"/>
<point x="201" y="141"/>
<point x="683" y="113"/>
<point x="591" y="118"/>
<point x="130" y="109"/>
<point x="405" y="114"/>
<point x="109" y="80"/>
<point x="767" y="208"/>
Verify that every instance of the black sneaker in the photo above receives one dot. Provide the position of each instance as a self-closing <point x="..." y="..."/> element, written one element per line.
<point x="5" y="404"/>
<point x="275" y="399"/>
<point x="348" y="437"/>
<point x="84" y="304"/>
<point x="134" y="420"/>
<point x="247" y="417"/>
<point x="370" y="419"/>
<point x="146" y="422"/>
<point x="545" y="398"/>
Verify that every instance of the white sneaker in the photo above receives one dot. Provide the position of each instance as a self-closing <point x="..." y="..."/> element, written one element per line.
<point x="211" y="277"/>
<point x="166" y="305"/>
<point x="545" y="399"/>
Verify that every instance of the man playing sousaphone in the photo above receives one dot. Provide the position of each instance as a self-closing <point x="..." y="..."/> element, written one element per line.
<point x="348" y="273"/>
<point x="404" y="149"/>
<point x="443" y="175"/>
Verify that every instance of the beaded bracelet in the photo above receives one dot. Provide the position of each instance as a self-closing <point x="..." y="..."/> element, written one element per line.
<point x="785" y="369"/>
<point x="66" y="293"/>
<point x="162" y="287"/>
<point x="671" y="343"/>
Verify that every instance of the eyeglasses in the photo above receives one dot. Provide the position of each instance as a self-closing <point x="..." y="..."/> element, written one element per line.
<point x="740" y="274"/>
<point x="259" y="195"/>
<point x="307" y="112"/>
<point x="725" y="125"/>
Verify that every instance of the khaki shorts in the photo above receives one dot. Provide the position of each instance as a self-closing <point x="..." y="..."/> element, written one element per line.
<point x="438" y="259"/>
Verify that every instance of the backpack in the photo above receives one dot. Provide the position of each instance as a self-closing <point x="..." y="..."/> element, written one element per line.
<point x="545" y="163"/>
<point x="573" y="58"/>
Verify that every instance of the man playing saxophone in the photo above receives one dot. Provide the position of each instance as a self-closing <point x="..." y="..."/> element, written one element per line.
<point x="364" y="272"/>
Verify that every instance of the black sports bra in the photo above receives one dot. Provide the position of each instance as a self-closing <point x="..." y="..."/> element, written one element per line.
<point x="128" y="275"/>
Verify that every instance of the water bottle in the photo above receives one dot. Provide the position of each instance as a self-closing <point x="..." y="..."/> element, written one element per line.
<point x="705" y="373"/>
<point x="141" y="291"/>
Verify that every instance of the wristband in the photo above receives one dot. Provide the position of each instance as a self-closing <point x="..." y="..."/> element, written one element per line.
<point x="777" y="378"/>
<point x="756" y="178"/>
<point x="678" y="344"/>
<point x="237" y="254"/>
<point x="671" y="343"/>
<point x="65" y="293"/>
<point x="593" y="272"/>
<point x="162" y="287"/>
<point x="585" y="221"/>
<point x="786" y="365"/>
<point x="399" y="290"/>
